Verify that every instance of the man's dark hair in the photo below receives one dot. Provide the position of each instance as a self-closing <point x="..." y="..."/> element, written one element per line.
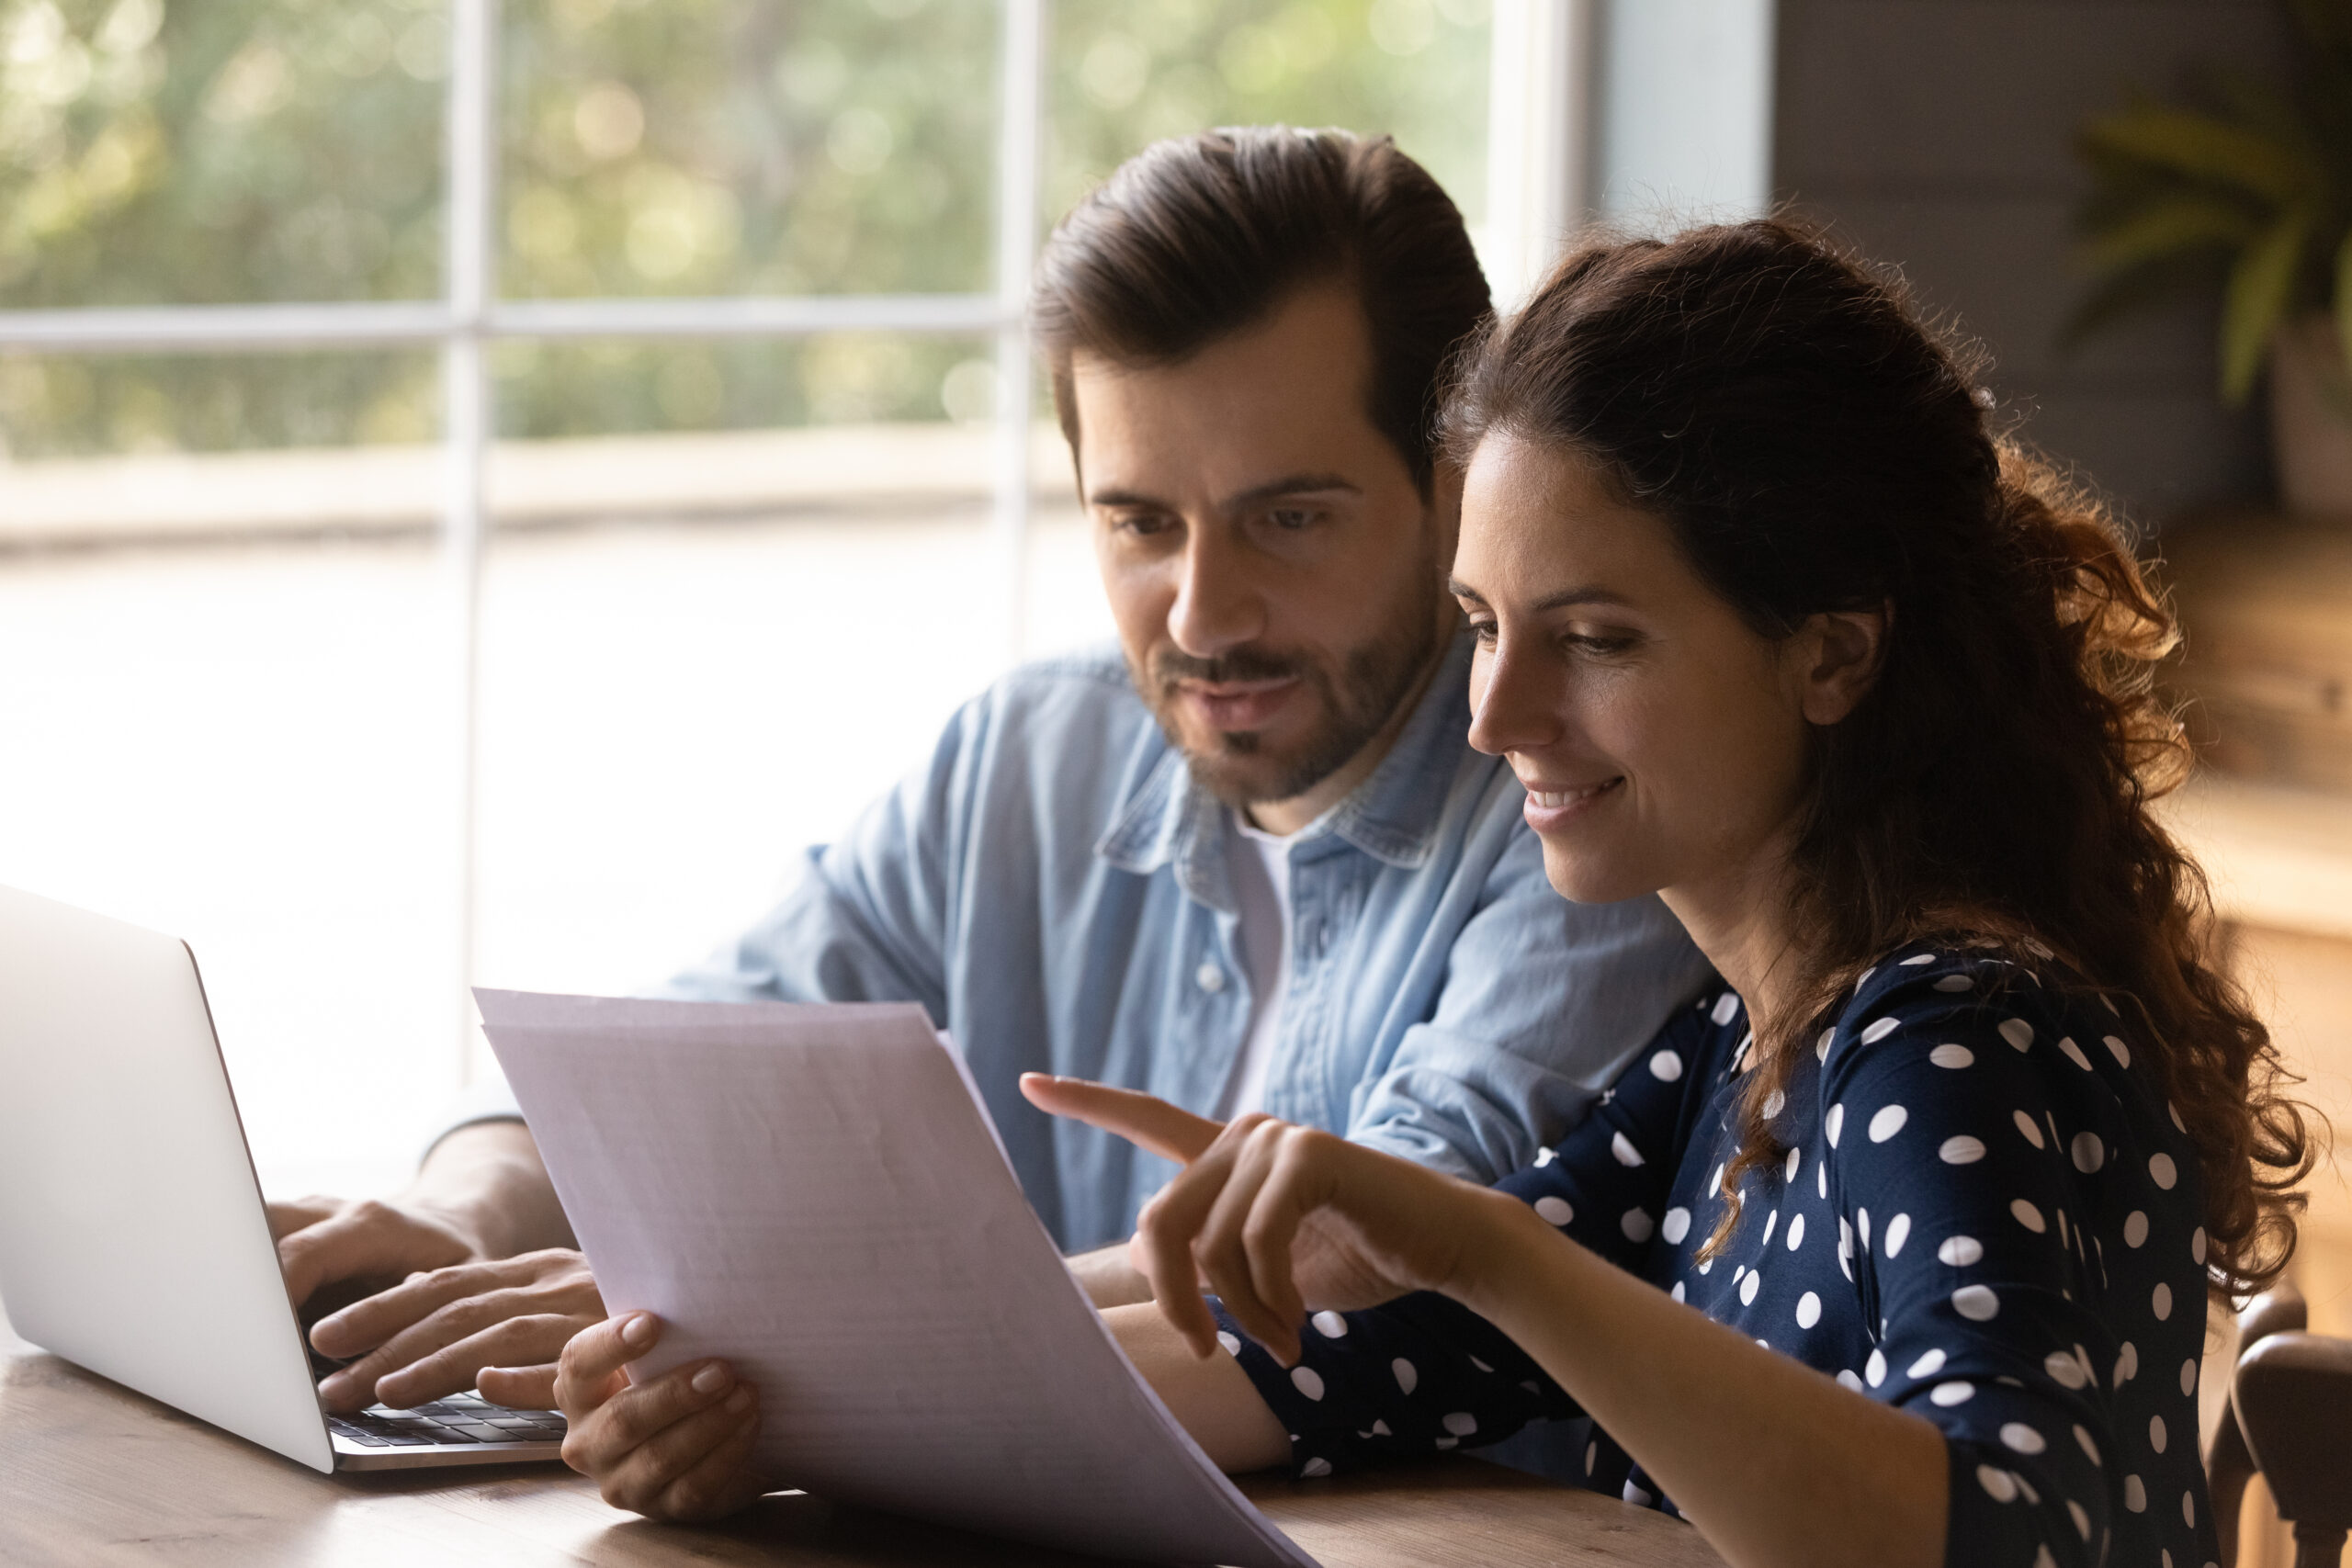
<point x="1201" y="236"/>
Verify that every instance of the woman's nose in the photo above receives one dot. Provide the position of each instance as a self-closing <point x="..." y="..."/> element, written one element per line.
<point x="1513" y="707"/>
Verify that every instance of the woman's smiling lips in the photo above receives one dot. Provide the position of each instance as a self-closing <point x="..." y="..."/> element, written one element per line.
<point x="1236" y="706"/>
<point x="1548" y="809"/>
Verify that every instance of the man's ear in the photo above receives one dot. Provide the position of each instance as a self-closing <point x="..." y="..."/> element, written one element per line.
<point x="1838" y="654"/>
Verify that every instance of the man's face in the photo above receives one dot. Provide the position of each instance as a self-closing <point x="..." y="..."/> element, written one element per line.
<point x="1276" y="577"/>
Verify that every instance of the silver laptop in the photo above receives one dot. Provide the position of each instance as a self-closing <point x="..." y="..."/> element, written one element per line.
<point x="133" y="1235"/>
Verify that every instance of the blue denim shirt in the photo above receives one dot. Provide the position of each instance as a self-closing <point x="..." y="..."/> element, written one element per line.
<point x="1052" y="886"/>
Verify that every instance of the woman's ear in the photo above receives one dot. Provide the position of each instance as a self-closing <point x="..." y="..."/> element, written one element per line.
<point x="1837" y="656"/>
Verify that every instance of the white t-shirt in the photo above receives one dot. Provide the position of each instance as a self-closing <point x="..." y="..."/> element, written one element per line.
<point x="1259" y="865"/>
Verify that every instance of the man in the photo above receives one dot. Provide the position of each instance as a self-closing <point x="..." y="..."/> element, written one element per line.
<point x="1248" y="862"/>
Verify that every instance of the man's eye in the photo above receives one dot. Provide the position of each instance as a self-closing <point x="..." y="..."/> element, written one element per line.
<point x="1143" y="523"/>
<point x="1290" y="518"/>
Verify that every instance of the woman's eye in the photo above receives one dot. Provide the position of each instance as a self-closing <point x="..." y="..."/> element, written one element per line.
<point x="1484" y="632"/>
<point x="1587" y="642"/>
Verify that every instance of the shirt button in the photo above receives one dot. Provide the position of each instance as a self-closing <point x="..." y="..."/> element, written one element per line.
<point x="1209" y="977"/>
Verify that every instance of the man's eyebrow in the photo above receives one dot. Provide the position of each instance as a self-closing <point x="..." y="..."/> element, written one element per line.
<point x="1124" y="498"/>
<point x="1588" y="594"/>
<point x="1289" y="484"/>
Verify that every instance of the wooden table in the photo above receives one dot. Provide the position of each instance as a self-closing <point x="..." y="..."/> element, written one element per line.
<point x="91" y="1474"/>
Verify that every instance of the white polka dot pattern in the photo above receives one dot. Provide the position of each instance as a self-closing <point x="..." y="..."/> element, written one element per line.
<point x="1976" y="1302"/>
<point x="2059" y="1209"/>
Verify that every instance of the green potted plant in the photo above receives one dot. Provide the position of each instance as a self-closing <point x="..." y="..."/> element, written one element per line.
<point x="2254" y="190"/>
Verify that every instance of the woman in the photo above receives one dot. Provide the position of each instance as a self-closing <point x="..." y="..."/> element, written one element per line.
<point x="1893" y="1249"/>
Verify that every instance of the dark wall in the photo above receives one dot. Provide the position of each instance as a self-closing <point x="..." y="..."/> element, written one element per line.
<point x="1937" y="135"/>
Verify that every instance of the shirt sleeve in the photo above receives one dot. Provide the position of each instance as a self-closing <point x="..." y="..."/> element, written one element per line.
<point x="1958" y="1163"/>
<point x="870" y="918"/>
<point x="1543" y="1003"/>
<point x="867" y="920"/>
<point x="1424" y="1372"/>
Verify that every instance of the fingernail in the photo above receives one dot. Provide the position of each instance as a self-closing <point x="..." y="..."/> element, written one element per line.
<point x="710" y="1379"/>
<point x="335" y="1385"/>
<point x="638" y="1329"/>
<point x="740" y="1400"/>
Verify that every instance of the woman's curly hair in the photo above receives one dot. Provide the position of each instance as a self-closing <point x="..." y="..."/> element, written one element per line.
<point x="1816" y="446"/>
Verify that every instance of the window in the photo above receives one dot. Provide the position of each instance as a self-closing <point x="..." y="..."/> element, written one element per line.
<point x="484" y="488"/>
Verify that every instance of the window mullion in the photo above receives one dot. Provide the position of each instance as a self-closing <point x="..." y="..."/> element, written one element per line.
<point x="1020" y="124"/>
<point x="466" y="433"/>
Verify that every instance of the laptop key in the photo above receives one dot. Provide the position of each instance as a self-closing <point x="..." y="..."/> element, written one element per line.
<point x="371" y="1438"/>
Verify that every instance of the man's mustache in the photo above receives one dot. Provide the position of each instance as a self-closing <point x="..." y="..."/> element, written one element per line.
<point x="1169" y="667"/>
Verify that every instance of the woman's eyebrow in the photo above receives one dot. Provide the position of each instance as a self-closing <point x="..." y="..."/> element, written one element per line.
<point x="1588" y="594"/>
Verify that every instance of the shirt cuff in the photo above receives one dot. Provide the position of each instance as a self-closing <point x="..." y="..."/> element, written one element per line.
<point x="488" y="1100"/>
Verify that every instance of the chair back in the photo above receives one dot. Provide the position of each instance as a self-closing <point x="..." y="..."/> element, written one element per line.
<point x="2229" y="1464"/>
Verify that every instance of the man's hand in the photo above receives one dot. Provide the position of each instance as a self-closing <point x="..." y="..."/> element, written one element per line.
<point x="497" y="1327"/>
<point x="433" y="1316"/>
<point x="326" y="1241"/>
<point x="677" y="1447"/>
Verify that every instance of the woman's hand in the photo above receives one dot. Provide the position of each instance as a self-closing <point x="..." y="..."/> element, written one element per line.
<point x="1277" y="1219"/>
<point x="677" y="1448"/>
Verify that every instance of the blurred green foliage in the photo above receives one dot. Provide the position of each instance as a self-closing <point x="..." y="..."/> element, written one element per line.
<point x="2254" y="192"/>
<point x="167" y="151"/>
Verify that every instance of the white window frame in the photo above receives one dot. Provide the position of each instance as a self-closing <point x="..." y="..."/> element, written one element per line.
<point x="1535" y="193"/>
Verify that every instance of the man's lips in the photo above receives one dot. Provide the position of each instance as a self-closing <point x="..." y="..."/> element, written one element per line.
<point x="1236" y="706"/>
<point x="1559" y="804"/>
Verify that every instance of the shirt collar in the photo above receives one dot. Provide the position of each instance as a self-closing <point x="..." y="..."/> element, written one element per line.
<point x="1393" y="815"/>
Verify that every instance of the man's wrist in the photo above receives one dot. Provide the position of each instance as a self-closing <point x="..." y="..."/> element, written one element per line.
<point x="485" y="1184"/>
<point x="464" y="1222"/>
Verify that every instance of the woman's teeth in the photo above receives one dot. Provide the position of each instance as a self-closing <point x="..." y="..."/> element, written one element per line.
<point x="1557" y="798"/>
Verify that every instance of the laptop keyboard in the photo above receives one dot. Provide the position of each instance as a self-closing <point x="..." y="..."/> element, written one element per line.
<point x="462" y="1418"/>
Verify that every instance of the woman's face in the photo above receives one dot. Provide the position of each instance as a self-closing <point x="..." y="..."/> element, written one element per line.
<point x="1661" y="740"/>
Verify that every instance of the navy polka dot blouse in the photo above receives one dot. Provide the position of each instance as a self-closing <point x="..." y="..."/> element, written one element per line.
<point x="1987" y="1215"/>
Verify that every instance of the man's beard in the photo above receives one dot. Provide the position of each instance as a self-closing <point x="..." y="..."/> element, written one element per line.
<point x="1356" y="701"/>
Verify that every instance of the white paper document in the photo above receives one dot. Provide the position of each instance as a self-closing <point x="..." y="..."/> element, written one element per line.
<point x="816" y="1194"/>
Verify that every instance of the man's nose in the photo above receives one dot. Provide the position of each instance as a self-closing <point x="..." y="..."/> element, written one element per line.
<point x="1219" y="603"/>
